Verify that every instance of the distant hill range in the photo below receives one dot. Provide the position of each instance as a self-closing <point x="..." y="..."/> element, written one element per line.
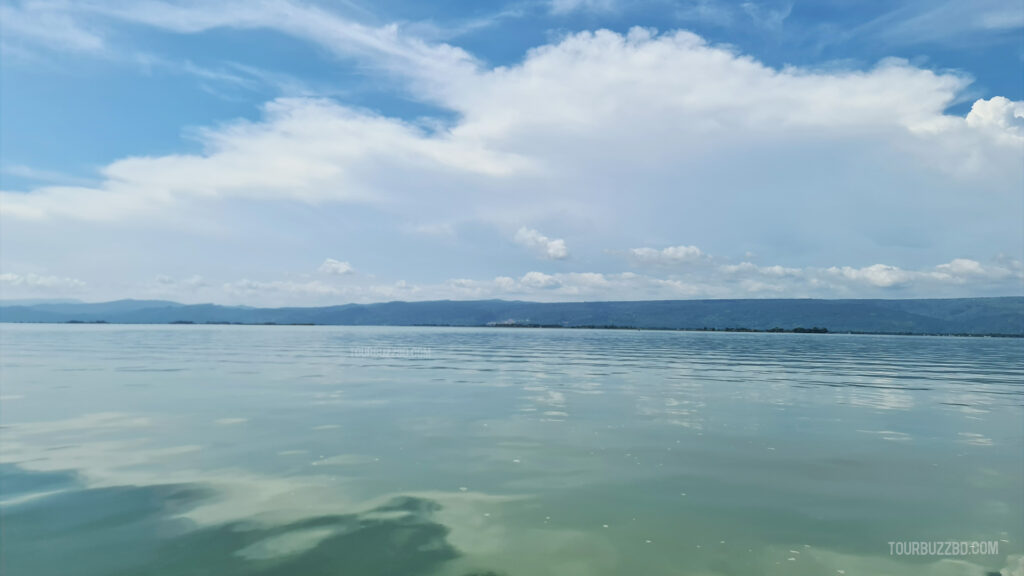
<point x="1002" y="316"/>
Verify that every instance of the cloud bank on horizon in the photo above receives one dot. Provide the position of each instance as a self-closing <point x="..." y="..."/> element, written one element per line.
<point x="365" y="156"/>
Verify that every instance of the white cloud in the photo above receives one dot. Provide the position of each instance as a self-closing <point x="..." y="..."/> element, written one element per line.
<point x="999" y="114"/>
<point x="304" y="292"/>
<point x="541" y="120"/>
<point x="613" y="138"/>
<point x="880" y="275"/>
<point x="551" y="248"/>
<point x="185" y="289"/>
<point x="836" y="281"/>
<point x="670" y="255"/>
<point x="193" y="282"/>
<point x="654" y="74"/>
<point x="576" y="286"/>
<point x="332" y="266"/>
<point x="961" y="270"/>
<point x="250" y="288"/>
<point x="34" y="282"/>
<point x="958" y="271"/>
<point x="749" y="267"/>
<point x="744" y="280"/>
<point x="533" y="285"/>
<point x="963" y="267"/>
<point x="307" y="150"/>
<point x="538" y="280"/>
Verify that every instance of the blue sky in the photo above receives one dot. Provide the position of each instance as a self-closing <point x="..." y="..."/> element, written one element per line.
<point x="283" y="152"/>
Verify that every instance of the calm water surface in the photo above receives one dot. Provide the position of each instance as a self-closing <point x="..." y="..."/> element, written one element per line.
<point x="412" y="451"/>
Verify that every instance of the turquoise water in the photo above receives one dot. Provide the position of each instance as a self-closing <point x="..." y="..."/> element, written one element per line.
<point x="406" y="451"/>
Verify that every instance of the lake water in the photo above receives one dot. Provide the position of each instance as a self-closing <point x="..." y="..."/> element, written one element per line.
<point x="226" y="450"/>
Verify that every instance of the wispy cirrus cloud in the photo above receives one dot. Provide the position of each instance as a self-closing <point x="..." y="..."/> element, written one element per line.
<point x="387" y="46"/>
<point x="40" y="175"/>
<point x="568" y="6"/>
<point x="41" y="24"/>
<point x="768" y="17"/>
<point x="946" y="21"/>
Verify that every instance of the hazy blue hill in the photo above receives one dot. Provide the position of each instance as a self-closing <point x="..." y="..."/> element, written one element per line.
<point x="946" y="316"/>
<point x="35" y="301"/>
<point x="29" y="314"/>
<point x="115" y="307"/>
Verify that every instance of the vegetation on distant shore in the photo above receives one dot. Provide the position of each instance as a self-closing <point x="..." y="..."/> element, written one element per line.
<point x="965" y="316"/>
<point x="775" y="330"/>
<point x="797" y="330"/>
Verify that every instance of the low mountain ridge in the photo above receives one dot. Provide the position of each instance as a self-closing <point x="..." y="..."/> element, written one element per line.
<point x="923" y="316"/>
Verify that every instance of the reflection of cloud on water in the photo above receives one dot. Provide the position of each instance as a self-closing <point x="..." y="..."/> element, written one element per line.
<point x="340" y="398"/>
<point x="583" y="386"/>
<point x="889" y="435"/>
<point x="538" y="550"/>
<point x="686" y="412"/>
<point x="164" y="510"/>
<point x="230" y="421"/>
<point x="550" y="403"/>
<point x="101" y="421"/>
<point x="879" y="398"/>
<point x="971" y="404"/>
<point x="287" y="544"/>
<point x="398" y="536"/>
<point x="103" y="461"/>
<point x="137" y="461"/>
<point x="345" y="460"/>
<point x="177" y="511"/>
<point x="974" y="439"/>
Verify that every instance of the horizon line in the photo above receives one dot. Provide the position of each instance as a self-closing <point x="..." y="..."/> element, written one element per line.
<point x="28" y="302"/>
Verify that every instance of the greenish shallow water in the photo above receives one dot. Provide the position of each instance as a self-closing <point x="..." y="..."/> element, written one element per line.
<point x="404" y="451"/>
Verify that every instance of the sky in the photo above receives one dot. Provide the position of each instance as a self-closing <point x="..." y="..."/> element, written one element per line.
<point x="278" y="152"/>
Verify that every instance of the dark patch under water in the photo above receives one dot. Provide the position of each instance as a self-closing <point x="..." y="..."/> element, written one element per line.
<point x="136" y="530"/>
